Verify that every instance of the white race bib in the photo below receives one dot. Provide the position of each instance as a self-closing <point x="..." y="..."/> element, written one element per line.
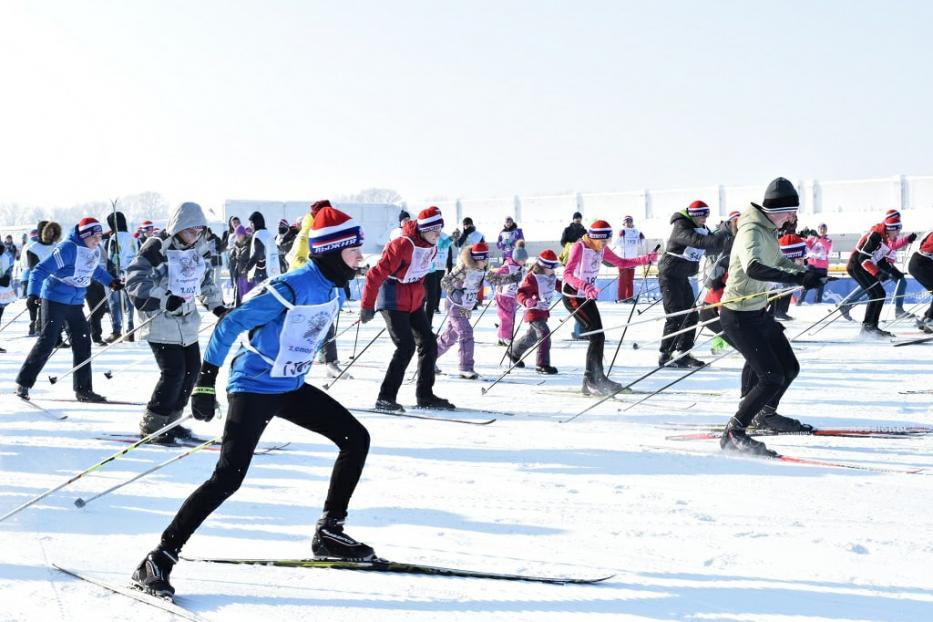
<point x="302" y="334"/>
<point x="546" y="287"/>
<point x="422" y="260"/>
<point x="510" y="289"/>
<point x="86" y="261"/>
<point x="185" y="272"/>
<point x="471" y="285"/>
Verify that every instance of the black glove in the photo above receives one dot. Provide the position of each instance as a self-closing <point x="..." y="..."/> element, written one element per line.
<point x="116" y="285"/>
<point x="911" y="238"/>
<point x="366" y="315"/>
<point x="812" y="280"/>
<point x="5" y="280"/>
<point x="220" y="311"/>
<point x="32" y="300"/>
<point x="173" y="302"/>
<point x="204" y="396"/>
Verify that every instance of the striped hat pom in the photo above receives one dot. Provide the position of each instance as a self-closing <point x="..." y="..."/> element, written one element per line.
<point x="333" y="230"/>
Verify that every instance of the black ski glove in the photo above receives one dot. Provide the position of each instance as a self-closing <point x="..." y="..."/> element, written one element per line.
<point x="366" y="315"/>
<point x="911" y="238"/>
<point x="116" y="285"/>
<point x="153" y="253"/>
<point x="204" y="396"/>
<point x="173" y="302"/>
<point x="812" y="280"/>
<point x="220" y="311"/>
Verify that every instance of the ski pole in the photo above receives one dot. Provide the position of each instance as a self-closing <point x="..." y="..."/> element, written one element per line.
<point x="485" y="390"/>
<point x="145" y="359"/>
<point x="644" y="282"/>
<point x="686" y="311"/>
<point x="87" y="319"/>
<point x="54" y="379"/>
<point x="606" y="398"/>
<point x="15" y="317"/>
<point x="356" y="338"/>
<point x="837" y="308"/>
<point x="95" y="467"/>
<point x="345" y="330"/>
<point x="328" y="386"/>
<point x="483" y="312"/>
<point x="79" y="502"/>
<point x="640" y="311"/>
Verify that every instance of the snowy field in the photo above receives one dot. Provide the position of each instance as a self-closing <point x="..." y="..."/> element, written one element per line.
<point x="688" y="534"/>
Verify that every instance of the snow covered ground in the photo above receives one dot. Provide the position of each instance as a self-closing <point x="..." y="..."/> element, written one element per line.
<point x="689" y="535"/>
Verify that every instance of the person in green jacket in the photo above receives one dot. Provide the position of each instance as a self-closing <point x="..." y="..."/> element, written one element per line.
<point x="770" y="364"/>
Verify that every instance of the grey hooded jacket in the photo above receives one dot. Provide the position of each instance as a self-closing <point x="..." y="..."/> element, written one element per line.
<point x="147" y="284"/>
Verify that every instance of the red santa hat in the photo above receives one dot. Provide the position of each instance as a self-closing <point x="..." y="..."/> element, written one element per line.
<point x="599" y="230"/>
<point x="479" y="251"/>
<point x="547" y="259"/>
<point x="697" y="208"/>
<point x="333" y="230"/>
<point x="430" y="219"/>
<point x="89" y="226"/>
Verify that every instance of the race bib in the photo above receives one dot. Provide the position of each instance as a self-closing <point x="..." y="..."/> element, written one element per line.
<point x="422" y="260"/>
<point x="185" y="272"/>
<point x="471" y="285"/>
<point x="86" y="261"/>
<point x="302" y="335"/>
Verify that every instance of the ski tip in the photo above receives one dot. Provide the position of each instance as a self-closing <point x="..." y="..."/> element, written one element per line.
<point x="79" y="502"/>
<point x="53" y="379"/>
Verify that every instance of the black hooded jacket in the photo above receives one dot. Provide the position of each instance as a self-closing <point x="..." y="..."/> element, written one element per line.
<point x="686" y="233"/>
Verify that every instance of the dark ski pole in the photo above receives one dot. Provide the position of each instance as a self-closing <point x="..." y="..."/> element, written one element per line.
<point x="15" y="317"/>
<point x="328" y="386"/>
<point x="644" y="283"/>
<point x="54" y="379"/>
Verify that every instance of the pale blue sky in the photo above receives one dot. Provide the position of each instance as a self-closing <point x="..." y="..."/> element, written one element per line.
<point x="292" y="100"/>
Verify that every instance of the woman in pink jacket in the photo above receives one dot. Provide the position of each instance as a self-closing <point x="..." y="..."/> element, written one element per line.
<point x="580" y="293"/>
<point x="819" y="247"/>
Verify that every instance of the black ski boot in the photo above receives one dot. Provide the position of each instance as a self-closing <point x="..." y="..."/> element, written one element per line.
<point x="735" y="439"/>
<point x="687" y="361"/>
<point x="331" y="542"/>
<point x="22" y="392"/>
<point x="844" y="312"/>
<point x="390" y="406"/>
<point x="433" y="401"/>
<point x="592" y="386"/>
<point x="664" y="359"/>
<point x="609" y="386"/>
<point x="151" y="576"/>
<point x="548" y="370"/>
<point x="88" y="395"/>
<point x="516" y="360"/>
<point x="872" y="330"/>
<point x="768" y="419"/>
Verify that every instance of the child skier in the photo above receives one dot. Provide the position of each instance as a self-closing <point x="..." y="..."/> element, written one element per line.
<point x="535" y="293"/>
<point x="462" y="285"/>
<point x="505" y="294"/>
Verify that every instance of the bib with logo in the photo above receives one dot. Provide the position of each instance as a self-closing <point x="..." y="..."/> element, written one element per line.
<point x="185" y="272"/>
<point x="546" y="287"/>
<point x="86" y="261"/>
<point x="422" y="260"/>
<point x="510" y="289"/>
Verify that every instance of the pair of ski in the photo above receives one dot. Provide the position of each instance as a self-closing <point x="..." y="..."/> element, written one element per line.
<point x="379" y="565"/>
<point x="442" y="414"/>
<point x="714" y="432"/>
<point x="193" y="441"/>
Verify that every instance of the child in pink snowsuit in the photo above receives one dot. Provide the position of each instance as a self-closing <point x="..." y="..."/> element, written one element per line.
<point x="505" y="294"/>
<point x="535" y="293"/>
<point x="462" y="286"/>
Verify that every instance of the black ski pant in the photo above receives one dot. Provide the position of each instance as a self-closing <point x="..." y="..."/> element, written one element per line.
<point x="432" y="294"/>
<point x="179" y="366"/>
<point x="94" y="294"/>
<point x="56" y="316"/>
<point x="781" y="305"/>
<point x="408" y="332"/>
<point x="588" y="316"/>
<point x="33" y="306"/>
<point x="677" y="295"/>
<point x="248" y="414"/>
<point x="770" y="364"/>
<point x="329" y="349"/>
<point x="873" y="287"/>
<point x="921" y="268"/>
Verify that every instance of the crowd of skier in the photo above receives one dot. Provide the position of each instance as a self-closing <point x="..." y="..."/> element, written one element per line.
<point x="286" y="291"/>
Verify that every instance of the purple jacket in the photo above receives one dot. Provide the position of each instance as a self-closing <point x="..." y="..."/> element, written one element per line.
<point x="508" y="238"/>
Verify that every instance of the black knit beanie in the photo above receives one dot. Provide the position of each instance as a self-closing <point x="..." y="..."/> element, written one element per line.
<point x="781" y="196"/>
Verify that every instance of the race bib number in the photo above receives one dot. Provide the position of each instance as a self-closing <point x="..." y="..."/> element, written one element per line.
<point x="185" y="272"/>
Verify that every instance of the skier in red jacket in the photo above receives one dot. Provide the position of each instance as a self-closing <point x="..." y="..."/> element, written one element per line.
<point x="395" y="286"/>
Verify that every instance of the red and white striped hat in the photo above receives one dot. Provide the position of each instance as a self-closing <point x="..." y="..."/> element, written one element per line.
<point x="599" y="230"/>
<point x="547" y="259"/>
<point x="698" y="208"/>
<point x="892" y="220"/>
<point x="430" y="219"/>
<point x="479" y="251"/>
<point x="89" y="226"/>
<point x="147" y="224"/>
<point x="733" y="215"/>
<point x="333" y="230"/>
